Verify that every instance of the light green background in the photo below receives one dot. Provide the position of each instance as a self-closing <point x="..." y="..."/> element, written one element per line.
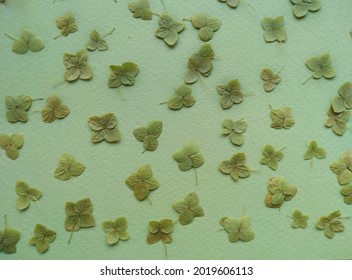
<point x="241" y="53"/>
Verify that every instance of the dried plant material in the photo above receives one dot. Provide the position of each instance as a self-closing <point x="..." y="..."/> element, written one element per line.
<point x="142" y="182"/>
<point x="149" y="135"/>
<point x="42" y="238"/>
<point x="122" y="75"/>
<point x="97" y="42"/>
<point x="281" y="118"/>
<point x="79" y="215"/>
<point x="66" y="24"/>
<point x="331" y="224"/>
<point x="321" y="67"/>
<point x="26" y="195"/>
<point x="299" y="220"/>
<point x="168" y="29"/>
<point x="279" y="192"/>
<point x="68" y="167"/>
<point x="140" y="9"/>
<point x="182" y="97"/>
<point x="54" y="109"/>
<point x="160" y="231"/>
<point x="230" y="94"/>
<point x="104" y="128"/>
<point x="344" y="100"/>
<point x="77" y="66"/>
<point x="270" y="79"/>
<point x="302" y="7"/>
<point x="271" y="157"/>
<point x="27" y="41"/>
<point x="188" y="208"/>
<point x="207" y="25"/>
<point x="274" y="29"/>
<point x="11" y="144"/>
<point x="337" y="121"/>
<point x="343" y="168"/>
<point x="346" y="191"/>
<point x="238" y="229"/>
<point x="200" y="63"/>
<point x="188" y="157"/>
<point x="115" y="230"/>
<point x="17" y="107"/>
<point x="314" y="151"/>
<point x="235" y="130"/>
<point x="235" y="167"/>
<point x="231" y="3"/>
<point x="8" y="239"/>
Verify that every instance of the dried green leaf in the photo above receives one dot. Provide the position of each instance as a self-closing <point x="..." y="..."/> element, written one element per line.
<point x="200" y="63"/>
<point x="343" y="168"/>
<point x="68" y="167"/>
<point x="337" y="121"/>
<point x="11" y="144"/>
<point x="104" y="128"/>
<point x="182" y="97"/>
<point x="142" y="182"/>
<point x="168" y="29"/>
<point x="66" y="24"/>
<point x="42" y="238"/>
<point x="207" y="25"/>
<point x="314" y="151"/>
<point x="302" y="7"/>
<point x="281" y="118"/>
<point x="140" y="9"/>
<point x="274" y="29"/>
<point x="230" y="94"/>
<point x="321" y="67"/>
<point x="279" y="191"/>
<point x="238" y="229"/>
<point x="231" y="3"/>
<point x="188" y="208"/>
<point x="188" y="156"/>
<point x="330" y="224"/>
<point x="160" y="231"/>
<point x="8" y="239"/>
<point x="148" y="135"/>
<point x="17" y="108"/>
<point x="299" y="220"/>
<point x="79" y="215"/>
<point x="115" y="230"/>
<point x="122" y="75"/>
<point x="77" y="66"/>
<point x="26" y="195"/>
<point x="270" y="79"/>
<point x="271" y="157"/>
<point x="54" y="109"/>
<point x="235" y="130"/>
<point x="27" y="41"/>
<point x="97" y="42"/>
<point x="344" y="100"/>
<point x="235" y="167"/>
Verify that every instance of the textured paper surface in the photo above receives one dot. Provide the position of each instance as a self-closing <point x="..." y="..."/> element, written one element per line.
<point x="240" y="53"/>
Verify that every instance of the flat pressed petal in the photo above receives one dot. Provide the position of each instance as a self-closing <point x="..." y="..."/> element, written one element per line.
<point x="111" y="135"/>
<point x="77" y="169"/>
<point x="71" y="74"/>
<point x="112" y="237"/>
<point x="171" y="38"/>
<point x="35" y="44"/>
<point x="20" y="47"/>
<point x="300" y="10"/>
<point x="206" y="33"/>
<point x="61" y="111"/>
<point x="186" y="217"/>
<point x="12" y="153"/>
<point x="86" y="72"/>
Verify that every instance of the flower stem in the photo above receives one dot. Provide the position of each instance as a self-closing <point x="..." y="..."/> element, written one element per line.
<point x="311" y="76"/>
<point x="109" y="32"/>
<point x="11" y="37"/>
<point x="57" y="36"/>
